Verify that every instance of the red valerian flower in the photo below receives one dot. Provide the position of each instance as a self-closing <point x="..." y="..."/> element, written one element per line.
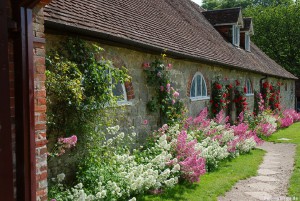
<point x="230" y="86"/>
<point x="211" y="101"/>
<point x="245" y="90"/>
<point x="237" y="83"/>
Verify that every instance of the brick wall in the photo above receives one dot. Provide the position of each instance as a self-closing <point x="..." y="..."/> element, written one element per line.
<point x="40" y="102"/>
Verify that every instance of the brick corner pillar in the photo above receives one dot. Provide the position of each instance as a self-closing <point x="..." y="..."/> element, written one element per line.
<point x="40" y="101"/>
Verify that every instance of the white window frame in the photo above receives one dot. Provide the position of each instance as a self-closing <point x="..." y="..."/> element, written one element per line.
<point x="247" y="41"/>
<point x="201" y="97"/>
<point x="236" y="35"/>
<point x="249" y="86"/>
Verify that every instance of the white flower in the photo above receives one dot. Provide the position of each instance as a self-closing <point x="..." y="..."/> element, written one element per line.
<point x="60" y="177"/>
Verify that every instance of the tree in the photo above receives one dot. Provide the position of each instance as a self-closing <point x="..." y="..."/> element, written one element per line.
<point x="277" y="31"/>
<point x="220" y="4"/>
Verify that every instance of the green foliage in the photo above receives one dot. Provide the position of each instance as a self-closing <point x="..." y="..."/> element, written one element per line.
<point x="79" y="85"/>
<point x="165" y="99"/>
<point x="276" y="32"/>
<point x="221" y="4"/>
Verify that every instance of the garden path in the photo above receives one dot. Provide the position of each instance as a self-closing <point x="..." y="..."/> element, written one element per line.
<point x="272" y="180"/>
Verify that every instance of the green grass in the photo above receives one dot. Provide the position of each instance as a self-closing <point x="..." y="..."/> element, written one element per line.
<point x="215" y="183"/>
<point x="293" y="133"/>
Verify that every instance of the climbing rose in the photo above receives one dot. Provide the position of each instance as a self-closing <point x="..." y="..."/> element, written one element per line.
<point x="175" y="94"/>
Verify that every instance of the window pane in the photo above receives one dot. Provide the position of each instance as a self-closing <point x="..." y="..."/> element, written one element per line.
<point x="193" y="88"/>
<point x="198" y="85"/>
<point x="118" y="91"/>
<point x="204" y="93"/>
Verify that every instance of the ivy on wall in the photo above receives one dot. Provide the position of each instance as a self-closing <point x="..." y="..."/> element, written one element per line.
<point x="79" y="86"/>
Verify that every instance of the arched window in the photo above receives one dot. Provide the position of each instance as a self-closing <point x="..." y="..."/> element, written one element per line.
<point x="120" y="92"/>
<point x="249" y="89"/>
<point x="198" y="87"/>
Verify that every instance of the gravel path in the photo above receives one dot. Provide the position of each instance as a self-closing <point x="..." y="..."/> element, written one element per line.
<point x="271" y="183"/>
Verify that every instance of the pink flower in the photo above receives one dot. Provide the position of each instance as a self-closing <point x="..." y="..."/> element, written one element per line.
<point x="161" y="88"/>
<point x="168" y="87"/>
<point x="159" y="74"/>
<point x="173" y="102"/>
<point x="145" y="122"/>
<point x="146" y="65"/>
<point x="191" y="165"/>
<point x="176" y="94"/>
<point x="169" y="66"/>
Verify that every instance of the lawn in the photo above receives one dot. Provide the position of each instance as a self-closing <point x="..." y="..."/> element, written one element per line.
<point x="215" y="183"/>
<point x="293" y="133"/>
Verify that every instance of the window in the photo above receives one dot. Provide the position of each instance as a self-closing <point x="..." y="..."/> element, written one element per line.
<point x="249" y="90"/>
<point x="198" y="87"/>
<point x="247" y="41"/>
<point x="118" y="90"/>
<point x="236" y="35"/>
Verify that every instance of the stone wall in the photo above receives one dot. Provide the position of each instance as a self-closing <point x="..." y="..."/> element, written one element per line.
<point x="181" y="75"/>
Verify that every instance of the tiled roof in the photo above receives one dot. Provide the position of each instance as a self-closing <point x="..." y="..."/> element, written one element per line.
<point x="176" y="25"/>
<point x="224" y="16"/>
<point x="247" y="24"/>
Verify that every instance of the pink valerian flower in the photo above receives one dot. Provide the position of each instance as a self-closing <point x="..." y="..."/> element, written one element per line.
<point x="266" y="129"/>
<point x="69" y="141"/>
<point x="146" y="65"/>
<point x="188" y="122"/>
<point x="169" y="66"/>
<point x="240" y="129"/>
<point x="191" y="164"/>
<point x="241" y="117"/>
<point x="286" y="122"/>
<point x="176" y="94"/>
<point x="161" y="88"/>
<point x="173" y="102"/>
<point x="63" y="144"/>
<point x="220" y="118"/>
<point x="261" y="103"/>
<point x="163" y="129"/>
<point x="292" y="114"/>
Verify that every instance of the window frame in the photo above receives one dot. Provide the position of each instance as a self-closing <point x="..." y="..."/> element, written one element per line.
<point x="236" y="35"/>
<point x="249" y="83"/>
<point x="247" y="41"/>
<point x="201" y="97"/>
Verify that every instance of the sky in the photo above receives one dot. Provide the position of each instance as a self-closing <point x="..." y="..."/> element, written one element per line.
<point x="198" y="1"/>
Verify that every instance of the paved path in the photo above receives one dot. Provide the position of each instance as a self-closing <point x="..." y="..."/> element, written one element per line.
<point x="271" y="183"/>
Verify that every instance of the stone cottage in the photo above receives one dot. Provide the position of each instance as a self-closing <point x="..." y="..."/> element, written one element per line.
<point x="200" y="44"/>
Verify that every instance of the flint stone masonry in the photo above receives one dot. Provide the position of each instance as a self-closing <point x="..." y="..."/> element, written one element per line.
<point x="181" y="75"/>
